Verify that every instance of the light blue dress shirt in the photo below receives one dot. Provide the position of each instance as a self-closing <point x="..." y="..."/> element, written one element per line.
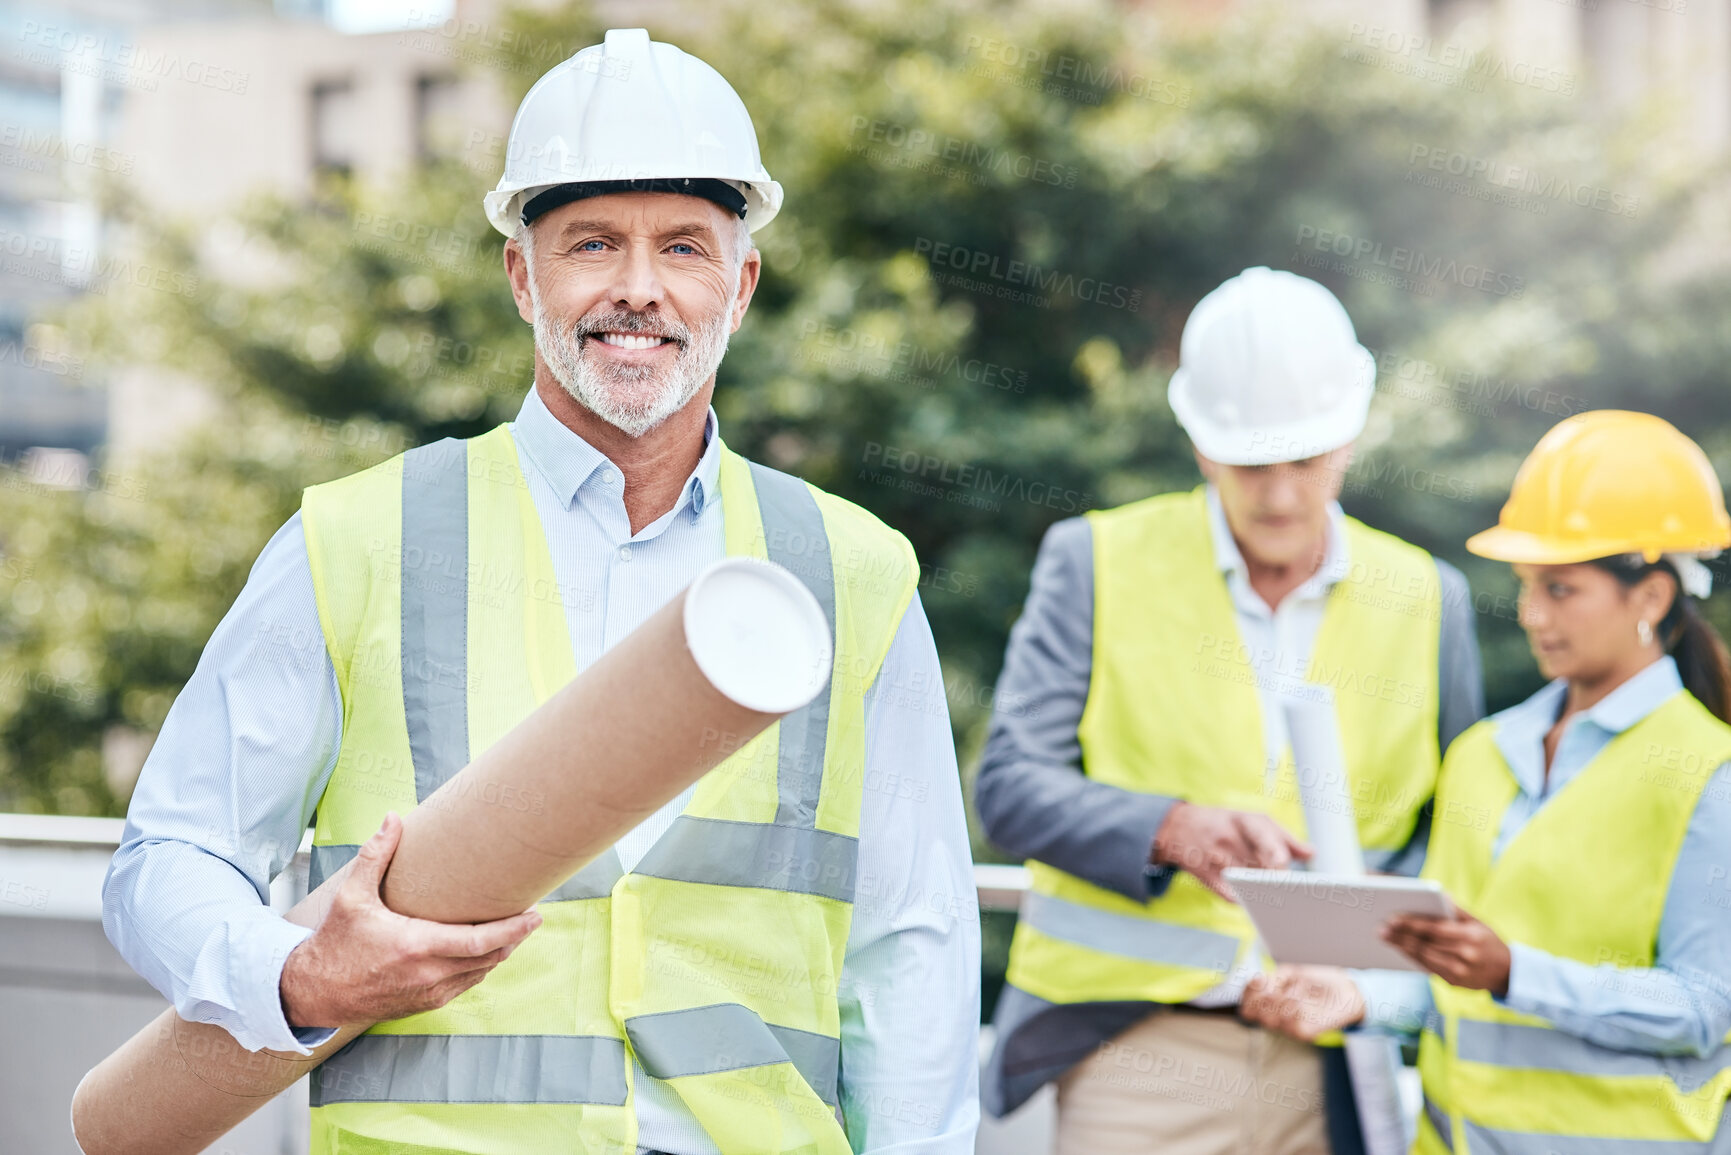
<point x="1682" y="1005"/>
<point x="244" y="754"/>
<point x="1277" y="642"/>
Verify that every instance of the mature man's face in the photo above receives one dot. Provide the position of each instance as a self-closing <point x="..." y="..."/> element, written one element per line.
<point x="633" y="296"/>
<point x="1279" y="513"/>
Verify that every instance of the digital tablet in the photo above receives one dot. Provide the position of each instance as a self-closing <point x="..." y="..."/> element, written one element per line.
<point x="1333" y="919"/>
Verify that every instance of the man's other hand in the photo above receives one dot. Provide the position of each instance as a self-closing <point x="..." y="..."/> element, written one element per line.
<point x="366" y="964"/>
<point x="1303" y="1001"/>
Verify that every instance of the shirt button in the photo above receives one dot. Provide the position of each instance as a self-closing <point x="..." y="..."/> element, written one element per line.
<point x="624" y="553"/>
<point x="608" y="476"/>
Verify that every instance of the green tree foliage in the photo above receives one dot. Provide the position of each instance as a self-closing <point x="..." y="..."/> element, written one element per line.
<point x="998" y="216"/>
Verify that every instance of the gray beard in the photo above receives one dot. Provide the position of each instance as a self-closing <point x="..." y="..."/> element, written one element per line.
<point x="632" y="398"/>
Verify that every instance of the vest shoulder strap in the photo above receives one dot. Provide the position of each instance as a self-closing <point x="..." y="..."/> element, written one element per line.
<point x="1164" y="511"/>
<point x="1152" y="537"/>
<point x="353" y="531"/>
<point x="871" y="565"/>
<point x="1379" y="548"/>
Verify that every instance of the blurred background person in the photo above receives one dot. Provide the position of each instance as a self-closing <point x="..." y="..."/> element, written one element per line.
<point x="1148" y="749"/>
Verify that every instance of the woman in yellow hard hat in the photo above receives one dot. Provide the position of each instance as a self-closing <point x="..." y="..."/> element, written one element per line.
<point x="1584" y="1005"/>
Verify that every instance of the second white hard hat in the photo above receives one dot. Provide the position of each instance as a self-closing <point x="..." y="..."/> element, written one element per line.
<point x="633" y="110"/>
<point x="1270" y="369"/>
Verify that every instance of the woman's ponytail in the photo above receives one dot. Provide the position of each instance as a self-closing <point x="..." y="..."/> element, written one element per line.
<point x="1702" y="659"/>
<point x="1701" y="656"/>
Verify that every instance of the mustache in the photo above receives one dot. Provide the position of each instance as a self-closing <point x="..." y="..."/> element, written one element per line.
<point x="627" y="321"/>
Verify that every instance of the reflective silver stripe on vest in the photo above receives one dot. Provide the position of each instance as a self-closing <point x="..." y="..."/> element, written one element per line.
<point x="1439" y="1119"/>
<point x="794" y="537"/>
<point x="1485" y="1141"/>
<point x="326" y="861"/>
<point x="1544" y="1049"/>
<point x="593" y="881"/>
<point x="473" y="1069"/>
<point x="434" y="577"/>
<point x="722" y="852"/>
<point x="1120" y="934"/>
<point x="435" y="592"/>
<point x="728" y="1037"/>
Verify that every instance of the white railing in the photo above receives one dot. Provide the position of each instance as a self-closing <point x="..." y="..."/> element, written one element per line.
<point x="67" y="993"/>
<point x="36" y="851"/>
<point x="1000" y="887"/>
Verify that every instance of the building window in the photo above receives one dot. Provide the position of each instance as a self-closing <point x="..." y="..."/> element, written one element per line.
<point x="1457" y="20"/>
<point x="1615" y="41"/>
<point x="438" y="117"/>
<point x="335" y="127"/>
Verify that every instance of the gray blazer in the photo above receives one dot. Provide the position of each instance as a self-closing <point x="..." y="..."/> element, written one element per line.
<point x="1035" y="802"/>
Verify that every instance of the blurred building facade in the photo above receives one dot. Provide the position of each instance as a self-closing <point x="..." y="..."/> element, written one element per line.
<point x="194" y="104"/>
<point x="316" y="102"/>
<point x="188" y="106"/>
<point x="1613" y="55"/>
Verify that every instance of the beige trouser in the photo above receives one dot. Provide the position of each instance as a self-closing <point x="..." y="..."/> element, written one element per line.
<point x="1185" y="1083"/>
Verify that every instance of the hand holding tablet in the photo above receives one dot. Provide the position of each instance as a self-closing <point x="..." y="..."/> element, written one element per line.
<point x="1335" y="919"/>
<point x="1461" y="951"/>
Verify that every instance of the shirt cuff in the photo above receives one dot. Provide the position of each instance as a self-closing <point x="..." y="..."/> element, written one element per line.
<point x="1393" y="1000"/>
<point x="1158" y="878"/>
<point x="255" y="976"/>
<point x="1532" y="974"/>
<point x="1150" y="812"/>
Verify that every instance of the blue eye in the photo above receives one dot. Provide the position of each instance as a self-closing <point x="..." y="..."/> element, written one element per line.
<point x="584" y="247"/>
<point x="682" y="245"/>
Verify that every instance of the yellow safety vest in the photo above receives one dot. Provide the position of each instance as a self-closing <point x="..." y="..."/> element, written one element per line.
<point x="1173" y="709"/>
<point x="1586" y="879"/>
<point x="715" y="961"/>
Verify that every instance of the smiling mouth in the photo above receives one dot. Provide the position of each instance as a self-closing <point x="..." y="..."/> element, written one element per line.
<point x="632" y="340"/>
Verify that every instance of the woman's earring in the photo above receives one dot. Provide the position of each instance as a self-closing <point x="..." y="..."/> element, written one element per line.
<point x="1644" y="632"/>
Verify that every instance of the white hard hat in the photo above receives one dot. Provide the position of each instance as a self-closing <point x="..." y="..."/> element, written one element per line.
<point x="632" y="110"/>
<point x="1269" y="370"/>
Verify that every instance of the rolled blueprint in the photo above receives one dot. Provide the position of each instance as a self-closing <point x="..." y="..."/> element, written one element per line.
<point x="1373" y="1061"/>
<point x="1332" y="827"/>
<point x="743" y="645"/>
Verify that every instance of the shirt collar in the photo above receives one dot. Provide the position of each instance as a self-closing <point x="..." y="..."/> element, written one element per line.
<point x="1637" y="697"/>
<point x="568" y="462"/>
<point x="1520" y="734"/>
<point x="1521" y="729"/>
<point x="1336" y="558"/>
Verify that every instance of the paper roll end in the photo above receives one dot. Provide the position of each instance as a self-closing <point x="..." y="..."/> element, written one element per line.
<point x="759" y="636"/>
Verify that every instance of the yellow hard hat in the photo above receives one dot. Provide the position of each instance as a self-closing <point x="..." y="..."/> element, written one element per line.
<point x="1609" y="482"/>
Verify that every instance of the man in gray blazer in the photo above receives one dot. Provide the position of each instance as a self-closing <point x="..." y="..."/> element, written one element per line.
<point x="1130" y="777"/>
